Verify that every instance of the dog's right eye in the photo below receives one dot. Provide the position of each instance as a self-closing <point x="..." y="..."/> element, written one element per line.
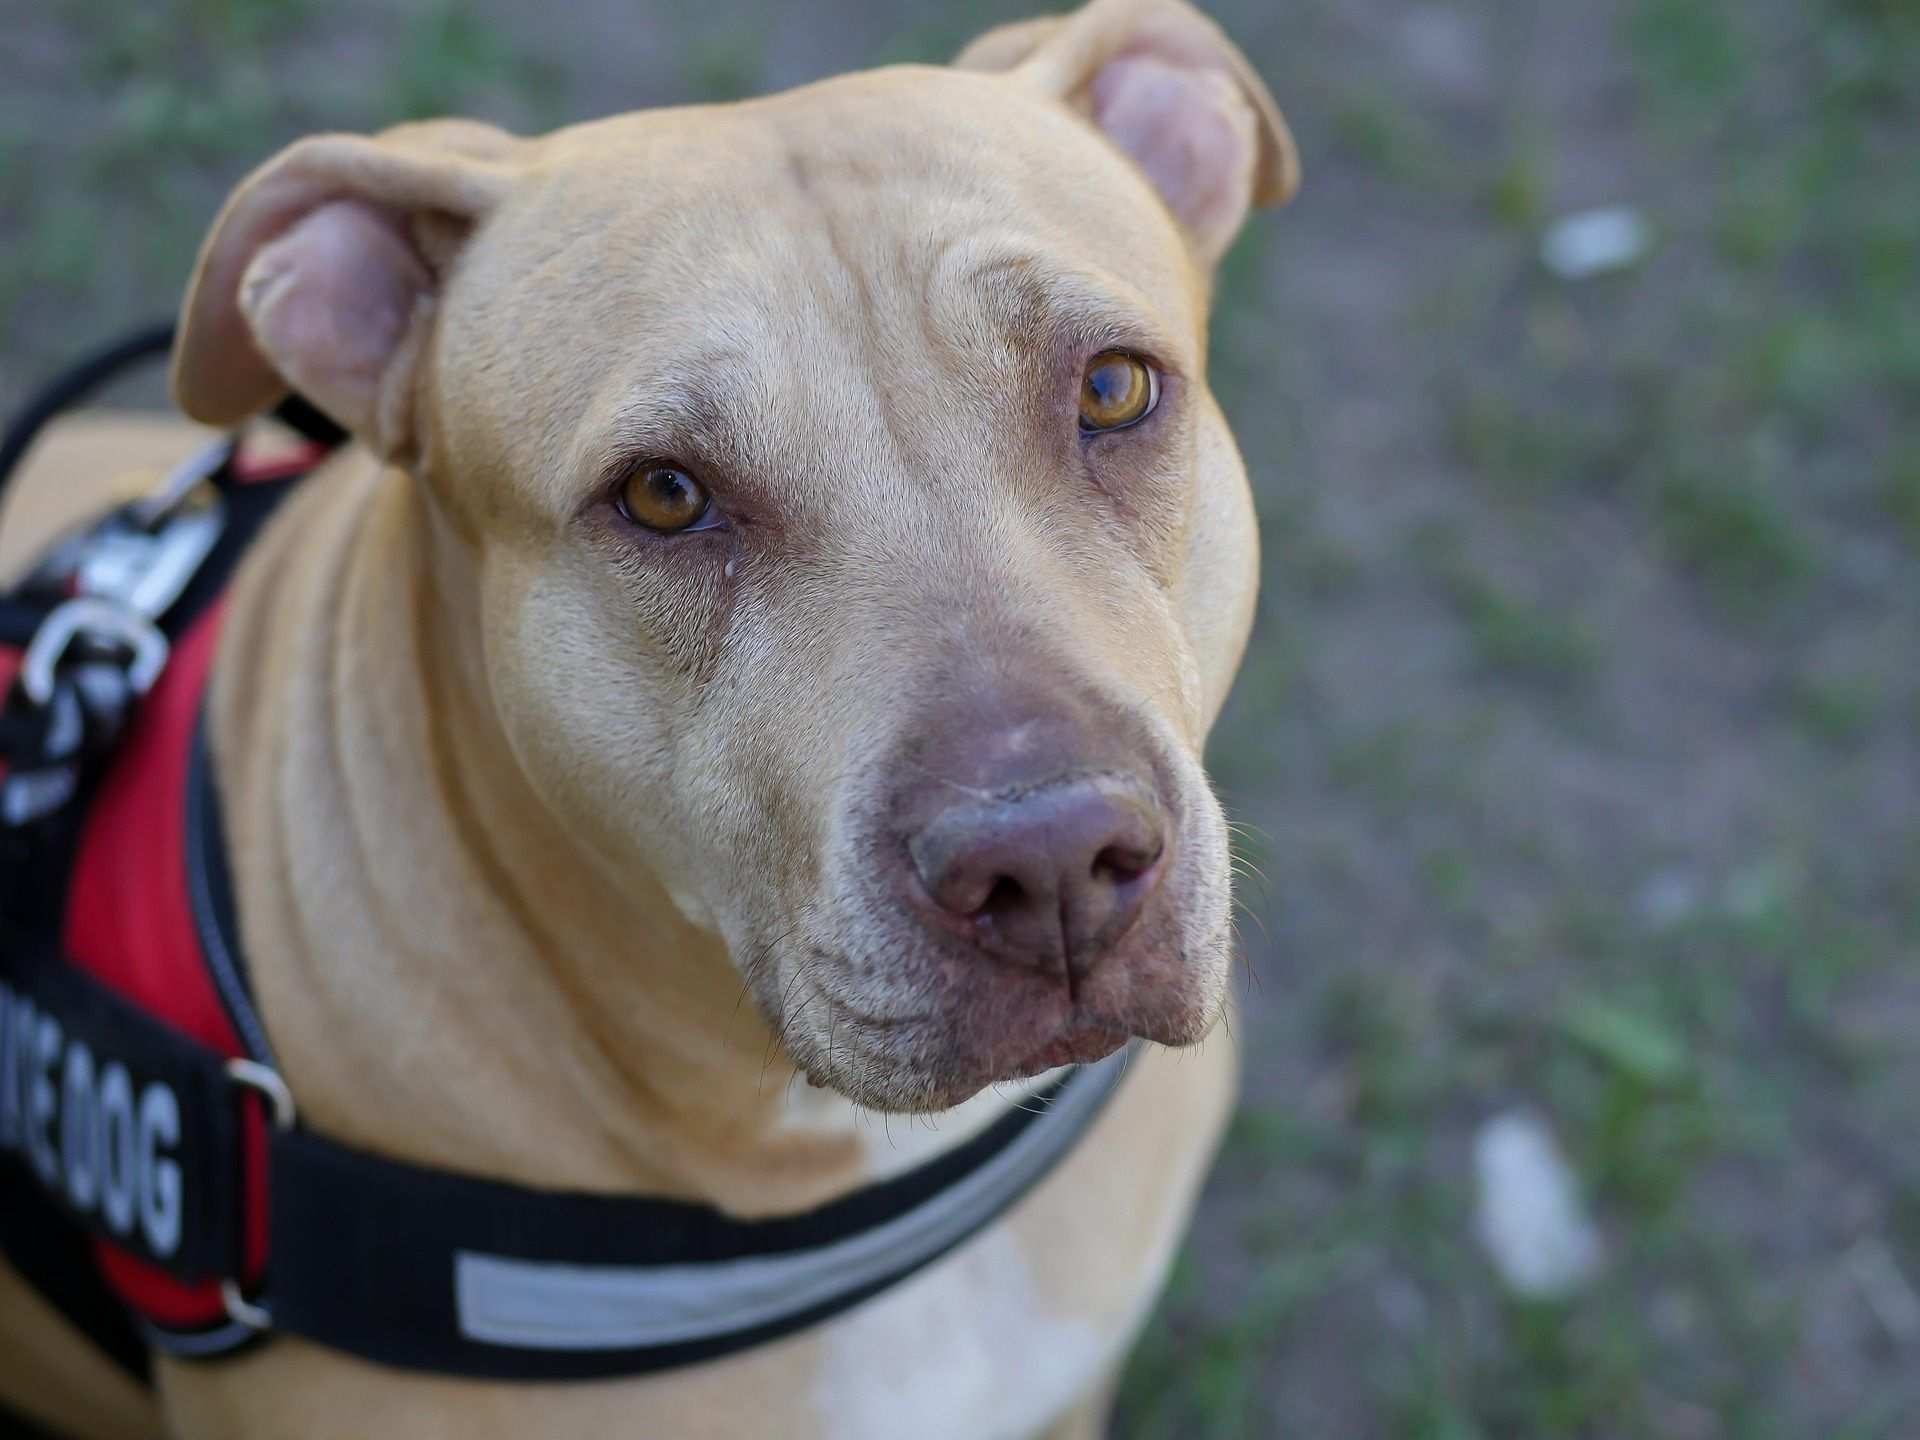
<point x="1117" y="390"/>
<point x="665" y="498"/>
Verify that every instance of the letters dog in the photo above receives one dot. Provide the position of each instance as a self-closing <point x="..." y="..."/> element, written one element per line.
<point x="790" y="551"/>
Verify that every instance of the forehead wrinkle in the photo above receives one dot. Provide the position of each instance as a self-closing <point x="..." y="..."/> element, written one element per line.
<point x="860" y="291"/>
<point x="709" y="409"/>
<point x="1019" y="288"/>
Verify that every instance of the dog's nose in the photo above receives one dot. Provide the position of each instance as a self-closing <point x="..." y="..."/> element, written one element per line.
<point x="1052" y="874"/>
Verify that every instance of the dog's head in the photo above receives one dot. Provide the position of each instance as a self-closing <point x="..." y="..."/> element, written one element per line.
<point x="831" y="482"/>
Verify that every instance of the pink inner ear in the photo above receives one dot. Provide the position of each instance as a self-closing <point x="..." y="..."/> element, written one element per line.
<point x="1190" y="131"/>
<point x="329" y="302"/>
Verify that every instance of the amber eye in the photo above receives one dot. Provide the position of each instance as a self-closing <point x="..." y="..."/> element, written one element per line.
<point x="1118" y="390"/>
<point x="664" y="497"/>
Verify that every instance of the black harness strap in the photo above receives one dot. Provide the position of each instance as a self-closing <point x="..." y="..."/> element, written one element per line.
<point x="434" y="1271"/>
<point x="127" y="1123"/>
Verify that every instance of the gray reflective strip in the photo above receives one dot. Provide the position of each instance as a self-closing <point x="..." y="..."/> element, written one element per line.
<point x="540" y="1306"/>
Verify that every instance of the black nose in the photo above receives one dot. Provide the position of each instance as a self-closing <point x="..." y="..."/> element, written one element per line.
<point x="1051" y="874"/>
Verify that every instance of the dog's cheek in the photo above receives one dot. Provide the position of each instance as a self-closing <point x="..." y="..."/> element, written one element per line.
<point x="1149" y="481"/>
<point x="597" y="712"/>
<point x="1220" y="571"/>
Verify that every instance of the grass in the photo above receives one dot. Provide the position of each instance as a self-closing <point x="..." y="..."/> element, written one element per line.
<point x="1834" y="713"/>
<point x="1513" y="638"/>
<point x="1739" y="542"/>
<point x="186" y="95"/>
<point x="1639" y="1079"/>
<point x="1749" y="423"/>
<point x="1381" y="132"/>
<point x="1900" y="493"/>
<point x="451" y="61"/>
<point x="1517" y="192"/>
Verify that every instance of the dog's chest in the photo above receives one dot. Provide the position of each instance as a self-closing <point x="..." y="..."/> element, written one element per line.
<point x="969" y="1349"/>
<point x="1011" y="1331"/>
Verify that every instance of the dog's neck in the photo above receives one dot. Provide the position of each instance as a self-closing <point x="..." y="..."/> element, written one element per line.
<point x="447" y="974"/>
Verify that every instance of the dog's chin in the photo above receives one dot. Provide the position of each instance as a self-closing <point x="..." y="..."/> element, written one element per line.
<point x="915" y="1087"/>
<point x="925" y="1068"/>
<point x="965" y="1028"/>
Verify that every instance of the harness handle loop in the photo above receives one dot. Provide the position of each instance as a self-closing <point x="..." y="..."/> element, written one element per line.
<point x="92" y="618"/>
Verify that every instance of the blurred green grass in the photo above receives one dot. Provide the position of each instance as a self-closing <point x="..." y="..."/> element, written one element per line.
<point x="1578" y="751"/>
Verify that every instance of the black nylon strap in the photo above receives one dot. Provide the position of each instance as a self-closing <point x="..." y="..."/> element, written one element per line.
<point x="367" y="1252"/>
<point x="126" y="1124"/>
<point x="299" y="414"/>
<point x="249" y="506"/>
<point x="210" y="894"/>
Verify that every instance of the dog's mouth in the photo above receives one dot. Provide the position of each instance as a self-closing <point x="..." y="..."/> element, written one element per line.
<point x="926" y="1058"/>
<point x="1081" y="1044"/>
<point x="1033" y="927"/>
<point x="903" y="1084"/>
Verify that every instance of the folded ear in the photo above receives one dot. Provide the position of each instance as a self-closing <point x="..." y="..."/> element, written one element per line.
<point x="320" y="272"/>
<point x="1162" y="82"/>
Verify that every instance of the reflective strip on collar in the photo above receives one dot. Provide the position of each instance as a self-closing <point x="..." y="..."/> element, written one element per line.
<point x="538" y="1306"/>
<point x="428" y="1270"/>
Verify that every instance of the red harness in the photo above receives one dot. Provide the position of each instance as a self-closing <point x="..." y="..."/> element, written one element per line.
<point x="131" y="923"/>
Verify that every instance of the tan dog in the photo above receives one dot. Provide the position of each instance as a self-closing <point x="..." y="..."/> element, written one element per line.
<point x="793" y="548"/>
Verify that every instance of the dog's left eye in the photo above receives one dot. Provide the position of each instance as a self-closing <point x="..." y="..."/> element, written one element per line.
<point x="665" y="498"/>
<point x="1117" y="390"/>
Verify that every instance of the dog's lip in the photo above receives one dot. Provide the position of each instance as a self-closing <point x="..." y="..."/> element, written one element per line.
<point x="1079" y="1043"/>
<point x="1073" y="1044"/>
<point x="1079" y="1038"/>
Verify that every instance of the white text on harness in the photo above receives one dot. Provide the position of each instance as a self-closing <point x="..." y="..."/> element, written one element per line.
<point x="86" y="1130"/>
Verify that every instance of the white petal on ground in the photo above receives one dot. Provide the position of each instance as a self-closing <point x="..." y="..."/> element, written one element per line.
<point x="1530" y="1218"/>
<point x="1594" y="242"/>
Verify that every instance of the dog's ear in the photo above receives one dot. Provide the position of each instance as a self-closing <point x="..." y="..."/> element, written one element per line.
<point x="320" y="272"/>
<point x="1162" y="82"/>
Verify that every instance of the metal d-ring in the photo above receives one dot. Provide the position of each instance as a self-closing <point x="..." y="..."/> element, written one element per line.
<point x="243" y="1311"/>
<point x="266" y="1082"/>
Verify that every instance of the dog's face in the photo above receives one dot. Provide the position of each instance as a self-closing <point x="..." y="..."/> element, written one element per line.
<point x="853" y="544"/>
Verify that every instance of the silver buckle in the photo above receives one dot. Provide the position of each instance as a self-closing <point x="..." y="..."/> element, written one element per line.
<point x="125" y="573"/>
<point x="151" y="551"/>
<point x="182" y="480"/>
<point x="102" y="621"/>
<point x="266" y="1082"/>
